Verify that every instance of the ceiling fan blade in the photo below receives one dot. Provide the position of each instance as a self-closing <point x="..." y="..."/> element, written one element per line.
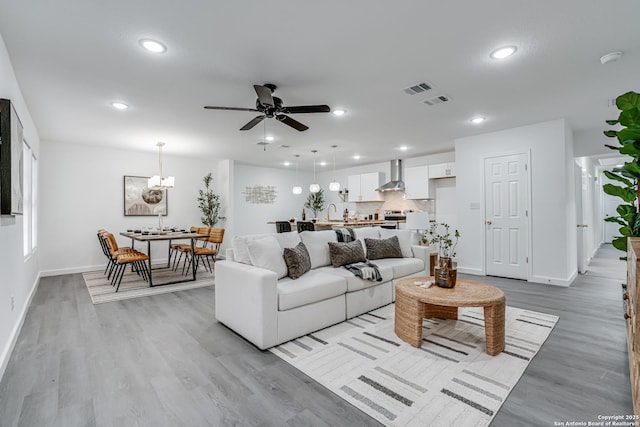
<point x="253" y="122"/>
<point x="264" y="95"/>
<point x="307" y="109"/>
<point x="291" y="122"/>
<point x="208" y="107"/>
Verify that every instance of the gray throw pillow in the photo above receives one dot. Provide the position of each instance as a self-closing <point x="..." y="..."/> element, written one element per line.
<point x="297" y="260"/>
<point x="383" y="248"/>
<point x="343" y="253"/>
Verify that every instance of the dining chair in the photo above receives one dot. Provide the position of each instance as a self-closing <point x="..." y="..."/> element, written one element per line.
<point x="206" y="253"/>
<point x="111" y="262"/>
<point x="306" y="226"/>
<point x="122" y="259"/>
<point x="179" y="248"/>
<point x="283" y="226"/>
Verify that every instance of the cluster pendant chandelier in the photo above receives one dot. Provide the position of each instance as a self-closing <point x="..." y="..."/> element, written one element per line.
<point x="296" y="188"/>
<point x="159" y="182"/>
<point x="334" y="185"/>
<point x="315" y="187"/>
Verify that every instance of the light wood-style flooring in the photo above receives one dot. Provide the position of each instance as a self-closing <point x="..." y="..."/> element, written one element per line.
<point x="165" y="361"/>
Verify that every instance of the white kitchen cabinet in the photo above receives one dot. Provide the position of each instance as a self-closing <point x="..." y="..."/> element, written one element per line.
<point x="442" y="170"/>
<point x="416" y="182"/>
<point x="362" y="188"/>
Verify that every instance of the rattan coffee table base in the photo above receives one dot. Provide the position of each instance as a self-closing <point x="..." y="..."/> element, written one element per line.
<point x="414" y="304"/>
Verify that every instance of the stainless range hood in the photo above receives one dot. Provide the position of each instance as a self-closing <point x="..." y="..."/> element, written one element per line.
<point x="396" y="183"/>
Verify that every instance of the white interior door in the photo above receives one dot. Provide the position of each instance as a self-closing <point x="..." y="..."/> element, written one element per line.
<point x="610" y="204"/>
<point x="579" y="176"/>
<point x="506" y="216"/>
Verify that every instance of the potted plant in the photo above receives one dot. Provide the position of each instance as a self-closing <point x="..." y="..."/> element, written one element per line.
<point x="628" y="175"/>
<point x="209" y="204"/>
<point x="445" y="272"/>
<point x="315" y="202"/>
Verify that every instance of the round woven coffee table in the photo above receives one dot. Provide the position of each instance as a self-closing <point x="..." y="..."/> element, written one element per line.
<point x="414" y="303"/>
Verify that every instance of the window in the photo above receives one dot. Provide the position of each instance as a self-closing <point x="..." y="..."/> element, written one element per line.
<point x="30" y="199"/>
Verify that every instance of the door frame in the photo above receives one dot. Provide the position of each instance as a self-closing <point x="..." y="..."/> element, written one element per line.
<point x="527" y="154"/>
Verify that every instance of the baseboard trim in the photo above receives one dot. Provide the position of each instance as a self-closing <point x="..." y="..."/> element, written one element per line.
<point x="554" y="280"/>
<point x="8" y="350"/>
<point x="467" y="270"/>
<point x="72" y="270"/>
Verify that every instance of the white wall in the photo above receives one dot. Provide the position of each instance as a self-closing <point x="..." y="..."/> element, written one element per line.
<point x="552" y="257"/>
<point x="19" y="276"/>
<point x="82" y="191"/>
<point x="252" y="218"/>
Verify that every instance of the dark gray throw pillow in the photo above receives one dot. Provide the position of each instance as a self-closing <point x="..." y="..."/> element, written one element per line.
<point x="383" y="248"/>
<point x="343" y="253"/>
<point x="297" y="260"/>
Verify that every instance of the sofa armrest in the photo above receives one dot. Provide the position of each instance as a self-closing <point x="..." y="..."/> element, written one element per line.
<point x="422" y="253"/>
<point x="247" y="301"/>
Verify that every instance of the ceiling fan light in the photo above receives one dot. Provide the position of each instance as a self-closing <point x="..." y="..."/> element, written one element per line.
<point x="334" y="186"/>
<point x="314" y="188"/>
<point x="297" y="189"/>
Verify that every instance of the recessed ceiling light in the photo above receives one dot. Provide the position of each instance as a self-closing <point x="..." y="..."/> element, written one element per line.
<point x="503" y="52"/>
<point x="119" y="105"/>
<point x="323" y="163"/>
<point x="287" y="163"/>
<point x="153" y="46"/>
<point x="477" y="120"/>
<point x="356" y="157"/>
<point x="270" y="138"/>
<point x="339" y="112"/>
<point x="403" y="148"/>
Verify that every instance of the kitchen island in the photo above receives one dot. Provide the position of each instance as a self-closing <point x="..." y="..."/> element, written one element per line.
<point x="324" y="224"/>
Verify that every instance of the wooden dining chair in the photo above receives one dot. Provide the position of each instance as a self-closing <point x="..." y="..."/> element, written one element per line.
<point x="306" y="226"/>
<point x="176" y="250"/>
<point x="283" y="226"/>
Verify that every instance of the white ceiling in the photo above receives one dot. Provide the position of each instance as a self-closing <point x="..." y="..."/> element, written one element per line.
<point x="73" y="57"/>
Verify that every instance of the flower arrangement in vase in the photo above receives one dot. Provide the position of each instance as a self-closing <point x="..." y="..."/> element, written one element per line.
<point x="440" y="235"/>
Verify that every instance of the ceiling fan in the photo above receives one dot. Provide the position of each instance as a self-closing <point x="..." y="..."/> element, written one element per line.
<point x="271" y="106"/>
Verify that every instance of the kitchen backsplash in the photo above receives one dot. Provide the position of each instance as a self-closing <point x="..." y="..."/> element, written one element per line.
<point x="393" y="200"/>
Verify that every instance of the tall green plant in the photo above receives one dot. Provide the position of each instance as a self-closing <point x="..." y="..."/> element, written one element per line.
<point x="315" y="202"/>
<point x="209" y="204"/>
<point x="627" y="176"/>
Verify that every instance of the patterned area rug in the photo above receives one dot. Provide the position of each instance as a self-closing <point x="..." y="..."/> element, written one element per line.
<point x="449" y="381"/>
<point x="133" y="286"/>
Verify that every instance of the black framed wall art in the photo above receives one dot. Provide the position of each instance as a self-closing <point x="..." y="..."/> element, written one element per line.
<point x="140" y="200"/>
<point x="11" y="158"/>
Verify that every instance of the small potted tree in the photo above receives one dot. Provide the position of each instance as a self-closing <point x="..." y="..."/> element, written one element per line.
<point x="209" y="204"/>
<point x="315" y="202"/>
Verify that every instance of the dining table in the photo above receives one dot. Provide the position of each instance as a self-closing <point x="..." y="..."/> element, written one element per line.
<point x="161" y="236"/>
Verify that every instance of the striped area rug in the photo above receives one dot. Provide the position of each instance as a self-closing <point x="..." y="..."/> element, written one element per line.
<point x="133" y="286"/>
<point x="449" y="381"/>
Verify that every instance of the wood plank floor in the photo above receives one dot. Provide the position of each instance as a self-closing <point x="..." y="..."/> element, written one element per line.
<point x="165" y="361"/>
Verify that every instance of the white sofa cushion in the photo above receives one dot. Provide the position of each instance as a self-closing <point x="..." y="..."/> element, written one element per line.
<point x="310" y="288"/>
<point x="366" y="232"/>
<point x="401" y="266"/>
<point x="287" y="240"/>
<point x="405" y="238"/>
<point x="317" y="243"/>
<point x="240" y="249"/>
<point x="266" y="253"/>
<point x="354" y="283"/>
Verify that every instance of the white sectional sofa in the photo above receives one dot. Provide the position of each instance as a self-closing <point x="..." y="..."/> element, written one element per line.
<point x="256" y="299"/>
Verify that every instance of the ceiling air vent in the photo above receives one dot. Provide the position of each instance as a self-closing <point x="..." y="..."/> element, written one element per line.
<point x="417" y="88"/>
<point x="437" y="100"/>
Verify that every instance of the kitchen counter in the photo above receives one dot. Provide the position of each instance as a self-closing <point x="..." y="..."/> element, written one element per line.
<point x="340" y="223"/>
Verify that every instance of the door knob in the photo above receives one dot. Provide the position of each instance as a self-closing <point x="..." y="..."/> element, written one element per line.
<point x="488" y="222"/>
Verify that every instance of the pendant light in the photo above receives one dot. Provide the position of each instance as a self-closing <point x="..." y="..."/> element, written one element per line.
<point x="159" y="182"/>
<point x="334" y="185"/>
<point x="315" y="187"/>
<point x="296" y="188"/>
